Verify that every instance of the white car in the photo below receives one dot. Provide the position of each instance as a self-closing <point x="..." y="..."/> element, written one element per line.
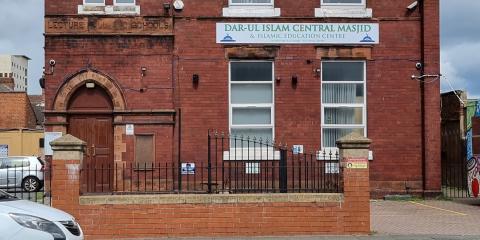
<point x="25" y="220"/>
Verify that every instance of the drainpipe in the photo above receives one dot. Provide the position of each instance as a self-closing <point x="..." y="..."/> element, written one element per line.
<point x="422" y="94"/>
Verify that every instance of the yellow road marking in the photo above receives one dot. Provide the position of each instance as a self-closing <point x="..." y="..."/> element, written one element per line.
<point x="441" y="209"/>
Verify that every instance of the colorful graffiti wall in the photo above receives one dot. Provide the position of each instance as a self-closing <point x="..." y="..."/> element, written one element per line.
<point x="473" y="158"/>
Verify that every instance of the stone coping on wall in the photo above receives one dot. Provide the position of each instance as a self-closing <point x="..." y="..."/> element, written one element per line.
<point x="211" y="198"/>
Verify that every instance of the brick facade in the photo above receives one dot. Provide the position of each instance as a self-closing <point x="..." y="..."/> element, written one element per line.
<point x="393" y="98"/>
<point x="17" y="111"/>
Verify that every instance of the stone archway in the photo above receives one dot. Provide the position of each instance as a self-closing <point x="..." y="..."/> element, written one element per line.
<point x="111" y="87"/>
<point x="71" y="84"/>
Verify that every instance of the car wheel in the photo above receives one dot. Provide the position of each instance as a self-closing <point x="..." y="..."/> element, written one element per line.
<point x="31" y="184"/>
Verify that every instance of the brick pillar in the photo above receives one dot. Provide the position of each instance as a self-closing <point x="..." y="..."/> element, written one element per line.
<point x="66" y="162"/>
<point x="356" y="183"/>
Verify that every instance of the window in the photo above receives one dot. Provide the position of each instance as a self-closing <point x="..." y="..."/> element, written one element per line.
<point x="124" y="2"/>
<point x="251" y="2"/>
<point x="251" y="99"/>
<point x="343" y="100"/>
<point x="343" y="9"/>
<point x="343" y="2"/>
<point x="94" y="2"/>
<point x="251" y="8"/>
<point x="144" y="151"/>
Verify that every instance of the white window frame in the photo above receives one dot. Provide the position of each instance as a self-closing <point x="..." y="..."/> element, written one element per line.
<point x="237" y="153"/>
<point x="231" y="4"/>
<point x="362" y="4"/>
<point x="115" y="3"/>
<point x="326" y="105"/>
<point x="93" y="4"/>
<point x="251" y="105"/>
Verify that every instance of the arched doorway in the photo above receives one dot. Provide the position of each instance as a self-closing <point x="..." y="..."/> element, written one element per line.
<point x="90" y="119"/>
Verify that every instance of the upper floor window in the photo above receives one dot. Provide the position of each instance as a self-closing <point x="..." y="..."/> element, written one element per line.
<point x="343" y="2"/>
<point x="251" y="8"/>
<point x="343" y="9"/>
<point x="251" y="2"/>
<point x="124" y="2"/>
<point x="94" y="2"/>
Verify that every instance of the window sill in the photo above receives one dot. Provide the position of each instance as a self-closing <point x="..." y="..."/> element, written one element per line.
<point x="352" y="12"/>
<point x="108" y="10"/>
<point x="251" y="12"/>
<point x="245" y="154"/>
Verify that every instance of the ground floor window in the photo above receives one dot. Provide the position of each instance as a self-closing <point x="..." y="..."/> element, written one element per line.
<point x="252" y="99"/>
<point x="343" y="100"/>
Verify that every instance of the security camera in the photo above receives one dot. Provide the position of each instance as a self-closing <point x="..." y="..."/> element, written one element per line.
<point x="412" y="6"/>
<point x="419" y="65"/>
<point x="52" y="62"/>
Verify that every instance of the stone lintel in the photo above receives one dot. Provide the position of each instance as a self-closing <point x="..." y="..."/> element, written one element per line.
<point x="265" y="52"/>
<point x="344" y="52"/>
<point x="212" y="198"/>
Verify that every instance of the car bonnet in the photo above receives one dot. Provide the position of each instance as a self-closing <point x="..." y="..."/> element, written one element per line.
<point x="34" y="209"/>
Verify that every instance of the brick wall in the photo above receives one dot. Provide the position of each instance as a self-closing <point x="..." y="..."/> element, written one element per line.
<point x="145" y="216"/>
<point x="8" y="82"/>
<point x="16" y="111"/>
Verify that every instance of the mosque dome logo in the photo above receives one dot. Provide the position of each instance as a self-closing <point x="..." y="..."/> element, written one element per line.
<point x="367" y="39"/>
<point x="228" y="38"/>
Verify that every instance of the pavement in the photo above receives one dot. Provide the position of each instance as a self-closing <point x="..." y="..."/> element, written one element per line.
<point x="408" y="220"/>
<point x="426" y="218"/>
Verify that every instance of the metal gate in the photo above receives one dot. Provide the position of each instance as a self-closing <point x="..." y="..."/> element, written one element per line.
<point x="460" y="177"/>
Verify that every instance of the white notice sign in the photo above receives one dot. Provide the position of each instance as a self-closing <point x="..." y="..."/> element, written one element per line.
<point x="298" y="33"/>
<point x="50" y="137"/>
<point x="129" y="129"/>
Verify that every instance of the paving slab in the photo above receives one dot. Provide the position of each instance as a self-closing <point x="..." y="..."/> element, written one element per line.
<point x="429" y="217"/>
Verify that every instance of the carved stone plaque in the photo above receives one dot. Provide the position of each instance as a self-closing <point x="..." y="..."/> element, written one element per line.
<point x="90" y="25"/>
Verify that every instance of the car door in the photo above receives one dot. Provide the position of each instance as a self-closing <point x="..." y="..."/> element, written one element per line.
<point x="3" y="172"/>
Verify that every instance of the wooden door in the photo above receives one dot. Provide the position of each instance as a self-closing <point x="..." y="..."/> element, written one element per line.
<point x="91" y="120"/>
<point x="97" y="132"/>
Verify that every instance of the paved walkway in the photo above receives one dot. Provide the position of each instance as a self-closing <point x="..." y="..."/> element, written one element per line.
<point x="426" y="218"/>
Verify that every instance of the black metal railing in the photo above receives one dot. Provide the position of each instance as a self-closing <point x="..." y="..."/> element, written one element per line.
<point x="26" y="181"/>
<point x="232" y="164"/>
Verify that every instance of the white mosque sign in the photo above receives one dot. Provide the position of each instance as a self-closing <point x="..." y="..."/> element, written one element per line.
<point x="298" y="33"/>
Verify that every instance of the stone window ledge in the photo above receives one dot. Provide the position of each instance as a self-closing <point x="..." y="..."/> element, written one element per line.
<point x="108" y="10"/>
<point x="212" y="198"/>
<point x="251" y="12"/>
<point x="353" y="12"/>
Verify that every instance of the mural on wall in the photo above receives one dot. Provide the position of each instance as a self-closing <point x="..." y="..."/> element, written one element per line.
<point x="473" y="161"/>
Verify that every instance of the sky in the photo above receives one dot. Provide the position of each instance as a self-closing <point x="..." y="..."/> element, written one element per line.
<point x="21" y="32"/>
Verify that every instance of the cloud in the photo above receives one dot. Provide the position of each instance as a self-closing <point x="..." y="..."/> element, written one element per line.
<point x="459" y="21"/>
<point x="460" y="66"/>
<point x="460" y="46"/>
<point x="21" y="24"/>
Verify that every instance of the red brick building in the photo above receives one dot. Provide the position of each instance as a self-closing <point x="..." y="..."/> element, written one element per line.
<point x="17" y="112"/>
<point x="143" y="81"/>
